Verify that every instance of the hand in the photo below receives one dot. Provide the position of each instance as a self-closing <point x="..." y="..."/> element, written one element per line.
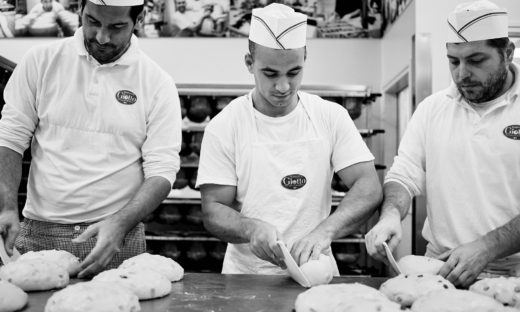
<point x="389" y="230"/>
<point x="262" y="242"/>
<point x="464" y="263"/>
<point x="9" y="228"/>
<point x="110" y="237"/>
<point x="310" y="246"/>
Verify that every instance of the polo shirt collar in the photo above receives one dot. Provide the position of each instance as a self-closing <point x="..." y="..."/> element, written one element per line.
<point x="130" y="56"/>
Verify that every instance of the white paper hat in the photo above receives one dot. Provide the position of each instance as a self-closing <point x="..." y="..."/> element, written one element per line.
<point x="118" y="2"/>
<point x="277" y="26"/>
<point x="477" y="20"/>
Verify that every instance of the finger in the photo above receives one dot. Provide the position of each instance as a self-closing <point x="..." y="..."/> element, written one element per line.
<point x="448" y="267"/>
<point x="90" y="270"/>
<point x="445" y="255"/>
<point x="90" y="232"/>
<point x="10" y="239"/>
<point x="316" y="252"/>
<point x="393" y="242"/>
<point x="278" y="254"/>
<point x="466" y="279"/>
<point x="304" y="255"/>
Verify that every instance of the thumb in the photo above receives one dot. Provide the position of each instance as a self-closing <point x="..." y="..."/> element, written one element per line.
<point x="90" y="232"/>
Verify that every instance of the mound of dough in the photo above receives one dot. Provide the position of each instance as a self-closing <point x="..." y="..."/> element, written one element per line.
<point x="12" y="298"/>
<point x="35" y="274"/>
<point x="345" y="298"/>
<point x="419" y="264"/>
<point x="405" y="289"/>
<point x="319" y="271"/>
<point x="61" y="257"/>
<point x="93" y="296"/>
<point x="166" y="266"/>
<point x="502" y="289"/>
<point x="145" y="284"/>
<point x="455" y="300"/>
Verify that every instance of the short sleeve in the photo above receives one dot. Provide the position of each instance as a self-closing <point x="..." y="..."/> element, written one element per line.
<point x="409" y="167"/>
<point x="217" y="162"/>
<point x="348" y="147"/>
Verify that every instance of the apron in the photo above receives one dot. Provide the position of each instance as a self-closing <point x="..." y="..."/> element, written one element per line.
<point x="289" y="187"/>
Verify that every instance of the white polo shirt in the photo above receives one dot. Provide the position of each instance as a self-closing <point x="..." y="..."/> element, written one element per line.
<point x="97" y="131"/>
<point x="467" y="165"/>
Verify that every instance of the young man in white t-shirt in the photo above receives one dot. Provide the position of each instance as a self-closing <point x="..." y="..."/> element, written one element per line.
<point x="268" y="158"/>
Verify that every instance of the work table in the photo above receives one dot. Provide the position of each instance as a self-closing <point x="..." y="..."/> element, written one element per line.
<point x="220" y="292"/>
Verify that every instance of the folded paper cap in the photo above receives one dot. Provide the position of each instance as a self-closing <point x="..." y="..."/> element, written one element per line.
<point x="118" y="2"/>
<point x="477" y="20"/>
<point x="277" y="26"/>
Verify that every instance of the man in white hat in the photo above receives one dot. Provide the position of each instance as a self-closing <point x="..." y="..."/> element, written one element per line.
<point x="268" y="158"/>
<point x="104" y="125"/>
<point x="462" y="150"/>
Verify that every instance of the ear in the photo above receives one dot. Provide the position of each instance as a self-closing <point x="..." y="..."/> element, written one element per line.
<point x="248" y="59"/>
<point x="510" y="51"/>
<point x="140" y="18"/>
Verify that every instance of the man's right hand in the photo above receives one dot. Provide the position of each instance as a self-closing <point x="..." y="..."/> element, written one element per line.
<point x="388" y="229"/>
<point x="262" y="242"/>
<point x="9" y="228"/>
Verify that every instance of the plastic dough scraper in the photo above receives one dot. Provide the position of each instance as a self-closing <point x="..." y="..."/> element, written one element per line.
<point x="3" y="253"/>
<point x="292" y="266"/>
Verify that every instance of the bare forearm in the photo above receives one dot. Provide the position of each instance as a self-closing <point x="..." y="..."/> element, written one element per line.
<point x="504" y="241"/>
<point x="149" y="196"/>
<point x="355" y="208"/>
<point x="10" y="175"/>
<point x="226" y="223"/>
<point x="397" y="200"/>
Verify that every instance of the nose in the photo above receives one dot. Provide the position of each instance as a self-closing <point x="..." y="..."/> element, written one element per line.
<point x="102" y="36"/>
<point x="463" y="71"/>
<point x="282" y="85"/>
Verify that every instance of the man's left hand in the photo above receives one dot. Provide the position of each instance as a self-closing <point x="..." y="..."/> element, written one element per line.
<point x="110" y="237"/>
<point x="464" y="263"/>
<point x="310" y="247"/>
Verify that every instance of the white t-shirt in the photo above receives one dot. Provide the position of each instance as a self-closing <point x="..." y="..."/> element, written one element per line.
<point x="227" y="139"/>
<point x="464" y="163"/>
<point x="97" y="131"/>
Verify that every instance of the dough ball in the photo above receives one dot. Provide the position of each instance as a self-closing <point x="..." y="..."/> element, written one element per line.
<point x="166" y="266"/>
<point x="145" y="284"/>
<point x="502" y="289"/>
<point x="60" y="257"/>
<point x="455" y="300"/>
<point x="419" y="264"/>
<point x="405" y="289"/>
<point x="35" y="274"/>
<point x="93" y="296"/>
<point x="12" y="298"/>
<point x="343" y="298"/>
<point x="318" y="271"/>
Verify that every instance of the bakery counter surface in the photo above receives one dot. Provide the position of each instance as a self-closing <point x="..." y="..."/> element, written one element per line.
<point x="220" y="292"/>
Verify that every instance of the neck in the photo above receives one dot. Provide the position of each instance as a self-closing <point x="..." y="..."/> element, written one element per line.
<point x="262" y="105"/>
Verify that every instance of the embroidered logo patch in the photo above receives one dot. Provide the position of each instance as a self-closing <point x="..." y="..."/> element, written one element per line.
<point x="126" y="97"/>
<point x="512" y="132"/>
<point x="294" y="181"/>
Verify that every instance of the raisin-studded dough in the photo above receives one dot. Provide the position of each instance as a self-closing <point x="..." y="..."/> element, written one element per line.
<point x="166" y="266"/>
<point x="344" y="298"/>
<point x="502" y="289"/>
<point x="412" y="264"/>
<point x="145" y="283"/>
<point x="93" y="296"/>
<point x="12" y="298"/>
<point x="35" y="274"/>
<point x="61" y="257"/>
<point x="455" y="300"/>
<point x="406" y="288"/>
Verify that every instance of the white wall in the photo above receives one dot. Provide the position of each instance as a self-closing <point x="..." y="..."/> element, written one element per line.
<point x="202" y="60"/>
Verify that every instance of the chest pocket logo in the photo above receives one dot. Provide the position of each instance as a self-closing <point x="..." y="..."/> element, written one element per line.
<point x="294" y="181"/>
<point x="512" y="132"/>
<point x="126" y="97"/>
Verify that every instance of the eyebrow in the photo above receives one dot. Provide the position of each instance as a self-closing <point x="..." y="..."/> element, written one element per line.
<point x="116" y="23"/>
<point x="476" y="54"/>
<point x="267" y="68"/>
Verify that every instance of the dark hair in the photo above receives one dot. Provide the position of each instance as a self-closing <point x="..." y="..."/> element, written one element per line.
<point x="134" y="10"/>
<point x="252" y="48"/>
<point x="500" y="44"/>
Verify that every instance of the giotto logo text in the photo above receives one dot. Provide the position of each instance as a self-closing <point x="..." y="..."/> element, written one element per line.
<point x="294" y="181"/>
